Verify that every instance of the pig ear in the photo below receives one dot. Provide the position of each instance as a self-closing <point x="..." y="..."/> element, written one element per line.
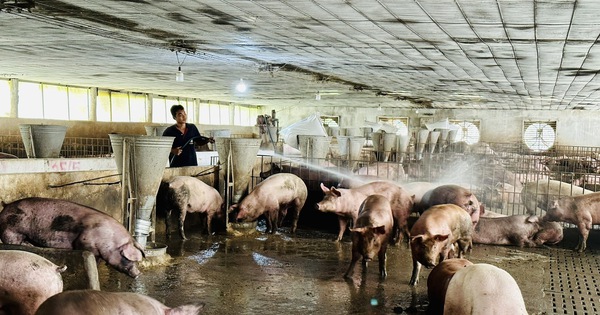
<point x="415" y="239"/>
<point x="132" y="252"/>
<point x="233" y="207"/>
<point x="336" y="192"/>
<point x="324" y="189"/>
<point x="440" y="237"/>
<point x="379" y="230"/>
<point x="532" y="219"/>
<point x="360" y="230"/>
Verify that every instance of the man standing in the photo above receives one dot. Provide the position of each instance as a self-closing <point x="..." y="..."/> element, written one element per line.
<point x="183" y="152"/>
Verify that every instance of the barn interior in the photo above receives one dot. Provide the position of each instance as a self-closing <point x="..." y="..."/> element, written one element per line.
<point x="487" y="94"/>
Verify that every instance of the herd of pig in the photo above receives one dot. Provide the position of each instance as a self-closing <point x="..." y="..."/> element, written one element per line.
<point x="449" y="219"/>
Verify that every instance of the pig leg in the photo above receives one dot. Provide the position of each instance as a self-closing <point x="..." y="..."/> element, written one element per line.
<point x="343" y="224"/>
<point x="272" y="222"/>
<point x="181" y="223"/>
<point x="296" y="213"/>
<point x="168" y="224"/>
<point x="463" y="246"/>
<point x="584" y="230"/>
<point x="382" y="259"/>
<point x="414" y="279"/>
<point x="209" y="223"/>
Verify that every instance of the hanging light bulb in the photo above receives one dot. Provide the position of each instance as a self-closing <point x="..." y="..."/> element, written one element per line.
<point x="241" y="86"/>
<point x="318" y="96"/>
<point x="179" y="75"/>
<point x="379" y="108"/>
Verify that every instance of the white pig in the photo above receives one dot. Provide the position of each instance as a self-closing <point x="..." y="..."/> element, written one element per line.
<point x="539" y="193"/>
<point x="188" y="194"/>
<point x="582" y="210"/>
<point x="92" y="302"/>
<point x="27" y="281"/>
<point x="483" y="289"/>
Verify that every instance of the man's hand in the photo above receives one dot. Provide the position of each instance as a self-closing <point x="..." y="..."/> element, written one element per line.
<point x="176" y="151"/>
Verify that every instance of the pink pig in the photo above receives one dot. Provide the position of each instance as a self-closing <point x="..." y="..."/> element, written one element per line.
<point x="63" y="224"/>
<point x="92" y="302"/>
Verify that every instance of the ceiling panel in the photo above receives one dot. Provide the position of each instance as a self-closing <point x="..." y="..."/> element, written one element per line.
<point x="440" y="54"/>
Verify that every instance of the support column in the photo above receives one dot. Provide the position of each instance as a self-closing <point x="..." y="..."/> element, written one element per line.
<point x="93" y="116"/>
<point x="14" y="98"/>
<point x="149" y="98"/>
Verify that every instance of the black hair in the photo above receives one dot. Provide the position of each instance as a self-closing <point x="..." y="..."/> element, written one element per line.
<point x="175" y="109"/>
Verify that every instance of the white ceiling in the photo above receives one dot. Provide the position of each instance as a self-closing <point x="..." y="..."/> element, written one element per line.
<point x="502" y="54"/>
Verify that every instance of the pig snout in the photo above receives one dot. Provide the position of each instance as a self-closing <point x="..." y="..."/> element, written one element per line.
<point x="133" y="272"/>
<point x="317" y="207"/>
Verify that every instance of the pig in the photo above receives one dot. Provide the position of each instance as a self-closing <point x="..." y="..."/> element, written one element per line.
<point x="188" y="194"/>
<point x="57" y="223"/>
<point x="419" y="189"/>
<point x="501" y="195"/>
<point x="438" y="279"/>
<point x="27" y="281"/>
<point x="371" y="233"/>
<point x="582" y="210"/>
<point x="346" y="202"/>
<point x="273" y="197"/>
<point x="74" y="302"/>
<point x="434" y="234"/>
<point x="483" y="289"/>
<point x="550" y="233"/>
<point x="539" y="193"/>
<point x="519" y="230"/>
<point x="457" y="195"/>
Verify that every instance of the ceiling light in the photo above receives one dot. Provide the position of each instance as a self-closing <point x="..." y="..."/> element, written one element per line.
<point x="179" y="73"/>
<point x="379" y="108"/>
<point x="241" y="86"/>
<point x="318" y="96"/>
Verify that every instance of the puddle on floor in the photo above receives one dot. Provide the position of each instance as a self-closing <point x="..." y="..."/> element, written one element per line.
<point x="301" y="274"/>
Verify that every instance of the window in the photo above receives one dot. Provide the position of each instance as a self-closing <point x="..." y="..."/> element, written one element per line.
<point x="51" y="101"/>
<point x="137" y="107"/>
<point x="4" y="98"/>
<point x="160" y="112"/>
<point x="224" y="116"/>
<point x="79" y="103"/>
<point x="330" y="121"/>
<point x="204" y="114"/>
<point x="56" y="102"/>
<point x="103" y="106"/>
<point x="401" y="123"/>
<point x="468" y="131"/>
<point x="30" y="100"/>
<point x="539" y="136"/>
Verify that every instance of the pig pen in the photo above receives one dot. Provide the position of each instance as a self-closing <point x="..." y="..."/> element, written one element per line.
<point x="303" y="274"/>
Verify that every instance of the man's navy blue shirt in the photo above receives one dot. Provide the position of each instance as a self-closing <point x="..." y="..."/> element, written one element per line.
<point x="188" y="154"/>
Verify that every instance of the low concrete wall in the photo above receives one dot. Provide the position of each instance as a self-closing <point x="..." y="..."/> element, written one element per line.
<point x="98" y="186"/>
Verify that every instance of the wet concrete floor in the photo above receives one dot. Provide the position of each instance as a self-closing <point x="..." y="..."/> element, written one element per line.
<point x="303" y="274"/>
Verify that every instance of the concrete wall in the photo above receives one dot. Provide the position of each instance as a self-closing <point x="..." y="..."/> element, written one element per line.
<point x="574" y="127"/>
<point x="96" y="188"/>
